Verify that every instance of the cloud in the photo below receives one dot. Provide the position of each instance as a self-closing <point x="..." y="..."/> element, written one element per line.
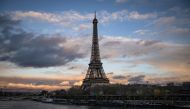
<point x="82" y="27"/>
<point x="178" y="31"/>
<point x="74" y="66"/>
<point x="147" y="42"/>
<point x="141" y="31"/>
<point x="7" y="65"/>
<point x="164" y="80"/>
<point x="173" y="58"/>
<point x="110" y="73"/>
<point x="122" y="46"/>
<point x="78" y="83"/>
<point x="35" y="87"/>
<point x="6" y="22"/>
<point x="65" y="18"/>
<point x="80" y="21"/>
<point x="38" y="83"/>
<point x="124" y="15"/>
<point x="35" y="81"/>
<point x="145" y="33"/>
<point x="172" y="26"/>
<point x="166" y="21"/>
<point x="31" y="50"/>
<point x="140" y="79"/>
<point x="69" y="19"/>
<point x="65" y="83"/>
<point x="134" y="15"/>
<point x="131" y="79"/>
<point x="119" y="77"/>
<point x="167" y="57"/>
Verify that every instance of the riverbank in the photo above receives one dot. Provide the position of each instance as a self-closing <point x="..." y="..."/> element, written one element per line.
<point x="113" y="103"/>
<point x="29" y="104"/>
<point x="104" y="103"/>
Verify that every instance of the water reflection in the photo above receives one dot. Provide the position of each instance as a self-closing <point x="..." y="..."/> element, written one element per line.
<point x="38" y="105"/>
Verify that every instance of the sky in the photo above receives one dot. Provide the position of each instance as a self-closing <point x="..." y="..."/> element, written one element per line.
<point x="46" y="44"/>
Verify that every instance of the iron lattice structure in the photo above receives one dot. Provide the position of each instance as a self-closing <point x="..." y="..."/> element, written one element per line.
<point x="95" y="73"/>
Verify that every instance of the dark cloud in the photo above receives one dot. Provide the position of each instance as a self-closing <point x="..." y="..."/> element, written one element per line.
<point x="137" y="79"/>
<point x="73" y="67"/>
<point x="121" y="77"/>
<point x="6" y="22"/>
<point x="28" y="49"/>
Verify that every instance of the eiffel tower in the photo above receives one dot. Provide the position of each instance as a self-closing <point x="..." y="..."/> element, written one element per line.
<point x="95" y="73"/>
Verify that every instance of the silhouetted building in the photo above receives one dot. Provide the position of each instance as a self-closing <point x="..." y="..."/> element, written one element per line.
<point x="170" y="84"/>
<point x="95" y="74"/>
<point x="186" y="84"/>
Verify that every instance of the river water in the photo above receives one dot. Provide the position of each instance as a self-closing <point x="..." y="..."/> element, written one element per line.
<point x="39" y="105"/>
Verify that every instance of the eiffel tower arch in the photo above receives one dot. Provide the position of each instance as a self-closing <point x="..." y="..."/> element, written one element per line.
<point x="95" y="74"/>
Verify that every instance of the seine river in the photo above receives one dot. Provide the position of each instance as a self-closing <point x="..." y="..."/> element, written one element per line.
<point x="39" y="105"/>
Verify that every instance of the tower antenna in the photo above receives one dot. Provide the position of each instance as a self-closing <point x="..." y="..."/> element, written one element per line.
<point x="95" y="15"/>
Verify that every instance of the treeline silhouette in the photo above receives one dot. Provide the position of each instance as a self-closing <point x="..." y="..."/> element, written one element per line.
<point x="112" y="89"/>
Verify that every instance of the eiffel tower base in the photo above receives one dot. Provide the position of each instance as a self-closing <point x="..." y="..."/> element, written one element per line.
<point x="91" y="82"/>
